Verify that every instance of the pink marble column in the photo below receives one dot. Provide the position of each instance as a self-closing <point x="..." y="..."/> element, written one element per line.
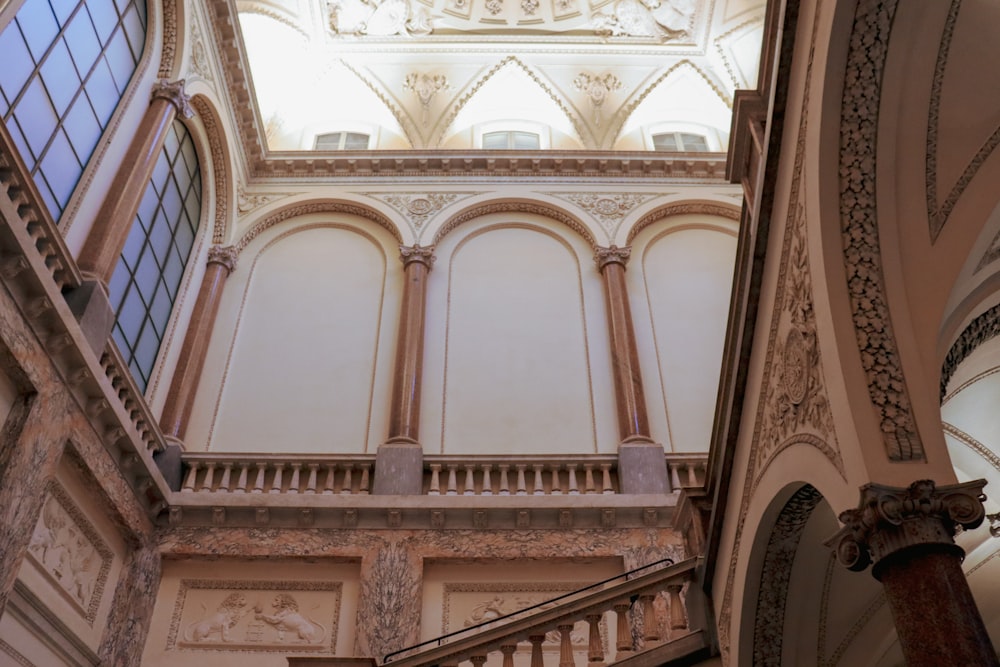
<point x="641" y="464"/>
<point x="31" y="444"/>
<point x="180" y="398"/>
<point x="399" y="461"/>
<point x="908" y="537"/>
<point x="131" y="616"/>
<point x="107" y="237"/>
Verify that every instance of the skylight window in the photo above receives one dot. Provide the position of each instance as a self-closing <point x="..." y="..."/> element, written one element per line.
<point x="342" y="141"/>
<point x="680" y="142"/>
<point x="511" y="140"/>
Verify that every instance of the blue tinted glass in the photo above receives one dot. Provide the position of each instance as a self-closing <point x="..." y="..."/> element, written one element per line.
<point x="172" y="203"/>
<point x="63" y="9"/>
<point x="171" y="142"/>
<point x="82" y="41"/>
<point x="190" y="157"/>
<point x="61" y="168"/>
<point x="50" y="201"/>
<point x="105" y="17"/>
<point x="131" y="314"/>
<point x="159" y="239"/>
<point x="173" y="271"/>
<point x="38" y="26"/>
<point x="135" y="28"/>
<point x="147" y="207"/>
<point x="119" y="58"/>
<point x="159" y="312"/>
<point x="102" y="92"/>
<point x="119" y="283"/>
<point x="82" y="127"/>
<point x="147" y="274"/>
<point x="161" y="172"/>
<point x="59" y="76"/>
<point x="133" y="246"/>
<point x="17" y="63"/>
<point x="36" y="117"/>
<point x="145" y="351"/>
<point x="184" y="239"/>
<point x="22" y="145"/>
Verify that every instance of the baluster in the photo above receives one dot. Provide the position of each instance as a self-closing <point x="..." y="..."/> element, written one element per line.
<point x="539" y="487"/>
<point x="276" y="481"/>
<point x="508" y="651"/>
<point x="331" y="475"/>
<point x="190" y="480"/>
<point x="693" y="473"/>
<point x="435" y="489"/>
<point x="522" y="486"/>
<point x="565" y="646"/>
<point x="675" y="475"/>
<point x="258" y="485"/>
<point x="606" y="475"/>
<point x="477" y="660"/>
<point x="588" y="469"/>
<point x="677" y="620"/>
<point x="206" y="484"/>
<point x="227" y="471"/>
<point x="348" y="485"/>
<point x="556" y="484"/>
<point x="650" y="628"/>
<point x="365" y="476"/>
<point x="452" y="479"/>
<point x="293" y="486"/>
<point x="241" y="483"/>
<point x="504" y="482"/>
<point x="595" y="651"/>
<point x="487" y="482"/>
<point x="624" y="631"/>
<point x="536" y="650"/>
<point x="571" y="483"/>
<point x="311" y="482"/>
<point x="470" y="480"/>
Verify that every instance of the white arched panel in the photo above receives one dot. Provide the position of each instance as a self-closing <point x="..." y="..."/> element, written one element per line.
<point x="301" y="369"/>
<point x="516" y="359"/>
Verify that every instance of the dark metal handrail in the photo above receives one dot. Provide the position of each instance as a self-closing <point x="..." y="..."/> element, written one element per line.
<point x="440" y="640"/>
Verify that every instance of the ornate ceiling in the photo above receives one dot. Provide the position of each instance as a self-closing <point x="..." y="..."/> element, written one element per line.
<point x="438" y="74"/>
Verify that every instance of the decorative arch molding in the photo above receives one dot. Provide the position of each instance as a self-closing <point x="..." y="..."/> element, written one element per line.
<point x="515" y="206"/>
<point x="979" y="448"/>
<point x="515" y="62"/>
<point x="219" y="151"/>
<point x="697" y="207"/>
<point x="879" y="351"/>
<point x="272" y="12"/>
<point x="980" y="330"/>
<point x="776" y="572"/>
<point x="406" y="123"/>
<point x="171" y="39"/>
<point x="325" y="206"/>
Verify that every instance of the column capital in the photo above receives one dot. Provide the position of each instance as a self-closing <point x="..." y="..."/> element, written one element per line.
<point x="224" y="255"/>
<point x="612" y="255"/>
<point x="173" y="92"/>
<point x="889" y="519"/>
<point x="417" y="253"/>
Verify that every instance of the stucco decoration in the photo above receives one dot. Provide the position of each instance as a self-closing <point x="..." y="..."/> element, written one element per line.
<point x="220" y="168"/>
<point x="318" y="207"/>
<point x="390" y="601"/>
<point x="381" y="19"/>
<point x="597" y="88"/>
<point x="168" y="51"/>
<point x="200" y="64"/>
<point x="609" y="209"/>
<point x="425" y="87"/>
<point x="67" y="548"/>
<point x="666" y="20"/>
<point x="419" y="207"/>
<point x="269" y="616"/>
<point x="858" y="212"/>
<point x="985" y="327"/>
<point x="769" y="621"/>
<point x="517" y="206"/>
<point x="248" y="202"/>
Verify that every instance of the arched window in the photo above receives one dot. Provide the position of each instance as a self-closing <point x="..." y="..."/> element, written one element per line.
<point x="66" y="65"/>
<point x="148" y="276"/>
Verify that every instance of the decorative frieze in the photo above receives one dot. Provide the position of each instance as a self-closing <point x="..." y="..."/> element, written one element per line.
<point x="248" y="202"/>
<point x="419" y="207"/>
<point x="609" y="209"/>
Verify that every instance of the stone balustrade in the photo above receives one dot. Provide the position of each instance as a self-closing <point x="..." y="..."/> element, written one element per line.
<point x="274" y="474"/>
<point x="686" y="470"/>
<point x="520" y="475"/>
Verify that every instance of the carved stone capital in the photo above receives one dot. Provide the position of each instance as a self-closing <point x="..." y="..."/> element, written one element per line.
<point x="890" y="519"/>
<point x="612" y="255"/>
<point x="417" y="253"/>
<point x="224" y="255"/>
<point x="173" y="92"/>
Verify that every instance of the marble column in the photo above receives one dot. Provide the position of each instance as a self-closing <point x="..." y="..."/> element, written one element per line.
<point x="131" y="615"/>
<point x="641" y="464"/>
<point x="103" y="245"/>
<point x="399" y="461"/>
<point x="907" y="535"/>
<point x="31" y="443"/>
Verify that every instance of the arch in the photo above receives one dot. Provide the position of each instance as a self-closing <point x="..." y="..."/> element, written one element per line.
<point x="985" y="327"/>
<point x="318" y="206"/>
<point x="515" y="206"/>
<point x="696" y="206"/>
<point x="220" y="159"/>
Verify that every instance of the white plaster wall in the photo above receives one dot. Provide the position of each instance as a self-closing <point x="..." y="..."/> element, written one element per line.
<point x="300" y="358"/>
<point x="511" y="319"/>
<point x="679" y="282"/>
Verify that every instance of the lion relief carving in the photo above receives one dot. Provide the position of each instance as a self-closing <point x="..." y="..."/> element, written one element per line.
<point x="290" y="624"/>
<point x="233" y="608"/>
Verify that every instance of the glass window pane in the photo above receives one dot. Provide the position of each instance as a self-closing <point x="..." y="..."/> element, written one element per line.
<point x="102" y="92"/>
<point x="36" y="117"/>
<point x="172" y="202"/>
<point x="328" y="142"/>
<point x="119" y="283"/>
<point x="159" y="240"/>
<point x="17" y="65"/>
<point x="131" y="314"/>
<point x="190" y="157"/>
<point x="59" y="76"/>
<point x="495" y="140"/>
<point x="133" y="246"/>
<point x="356" y="141"/>
<point x="82" y="42"/>
<point x="38" y="25"/>
<point x="665" y="142"/>
<point x="145" y="351"/>
<point x="119" y="57"/>
<point x="147" y="207"/>
<point x="61" y="168"/>
<point x="135" y="29"/>
<point x="694" y="142"/>
<point x="159" y="312"/>
<point x="63" y="9"/>
<point x="161" y="172"/>
<point x="82" y="127"/>
<point x="22" y="145"/>
<point x="147" y="274"/>
<point x="526" y="140"/>
<point x="171" y="143"/>
<point x="105" y="18"/>
<point x="173" y="271"/>
<point x="184" y="239"/>
<point x="193" y="206"/>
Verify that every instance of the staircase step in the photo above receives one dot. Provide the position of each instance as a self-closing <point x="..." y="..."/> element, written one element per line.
<point x="691" y="649"/>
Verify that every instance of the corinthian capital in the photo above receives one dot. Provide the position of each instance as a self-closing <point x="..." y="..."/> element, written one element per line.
<point x="224" y="255"/>
<point x="173" y="92"/>
<point x="417" y="253"/>
<point x="612" y="255"/>
<point x="889" y="519"/>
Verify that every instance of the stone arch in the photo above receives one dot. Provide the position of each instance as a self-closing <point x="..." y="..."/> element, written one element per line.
<point x="318" y="206"/>
<point x="516" y="206"/>
<point x="697" y="206"/>
<point x="220" y="158"/>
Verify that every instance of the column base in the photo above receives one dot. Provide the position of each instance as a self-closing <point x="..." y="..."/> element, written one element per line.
<point x="642" y="468"/>
<point x="91" y="306"/>
<point x="399" y="469"/>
